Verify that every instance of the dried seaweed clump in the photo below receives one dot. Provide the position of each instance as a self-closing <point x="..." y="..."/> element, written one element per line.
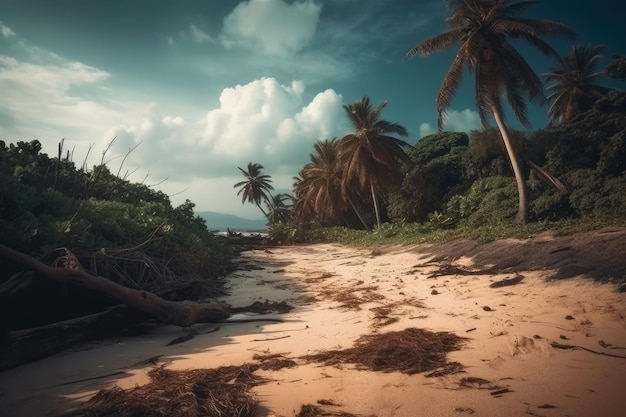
<point x="274" y="362"/>
<point x="310" y="410"/>
<point x="266" y="307"/>
<point x="409" y="351"/>
<point x="383" y="315"/>
<point x="352" y="298"/>
<point x="220" y="392"/>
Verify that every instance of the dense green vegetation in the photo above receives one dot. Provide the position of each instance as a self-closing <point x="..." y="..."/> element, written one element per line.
<point x="484" y="31"/>
<point x="459" y="184"/>
<point x="368" y="182"/>
<point x="125" y="231"/>
<point x="452" y="183"/>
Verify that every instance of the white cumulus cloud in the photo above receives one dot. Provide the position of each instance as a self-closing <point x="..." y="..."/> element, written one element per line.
<point x="273" y="27"/>
<point x="456" y="121"/>
<point x="462" y="121"/>
<point x="426" y="129"/>
<point x="262" y="121"/>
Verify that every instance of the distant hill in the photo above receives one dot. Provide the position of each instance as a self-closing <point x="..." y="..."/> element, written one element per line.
<point x="221" y="222"/>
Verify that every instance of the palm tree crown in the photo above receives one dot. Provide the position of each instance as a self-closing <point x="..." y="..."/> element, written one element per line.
<point x="573" y="91"/>
<point x="483" y="29"/>
<point x="318" y="190"/>
<point x="256" y="187"/>
<point x="280" y="208"/>
<point x="369" y="156"/>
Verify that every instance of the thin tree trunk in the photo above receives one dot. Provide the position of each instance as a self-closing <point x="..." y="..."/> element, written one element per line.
<point x="376" y="209"/>
<point x="358" y="213"/>
<point x="547" y="177"/>
<point x="522" y="211"/>
<point x="263" y="211"/>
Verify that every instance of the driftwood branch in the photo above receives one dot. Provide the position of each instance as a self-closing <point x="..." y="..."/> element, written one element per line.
<point x="507" y="281"/>
<point x="22" y="346"/>
<point x="573" y="347"/>
<point x="183" y="313"/>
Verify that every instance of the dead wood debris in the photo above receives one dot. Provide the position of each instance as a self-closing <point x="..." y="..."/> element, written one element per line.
<point x="220" y="392"/>
<point x="451" y="269"/>
<point x="266" y="307"/>
<point x="575" y="347"/>
<point x="507" y="281"/>
<point x="409" y="351"/>
<point x="478" y="383"/>
<point x="189" y="336"/>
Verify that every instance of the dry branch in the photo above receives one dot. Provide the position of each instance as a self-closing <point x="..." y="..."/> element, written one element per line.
<point x="574" y="347"/>
<point x="184" y="313"/>
<point x="27" y="345"/>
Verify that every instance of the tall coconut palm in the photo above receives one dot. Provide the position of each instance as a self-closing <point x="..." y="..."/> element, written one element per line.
<point x="483" y="29"/>
<point x="318" y="190"/>
<point x="573" y="90"/>
<point x="256" y="187"/>
<point x="369" y="156"/>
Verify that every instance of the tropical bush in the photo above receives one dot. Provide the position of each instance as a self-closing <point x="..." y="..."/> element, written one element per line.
<point x="126" y="231"/>
<point x="437" y="172"/>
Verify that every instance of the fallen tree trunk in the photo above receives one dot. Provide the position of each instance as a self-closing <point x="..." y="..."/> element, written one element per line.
<point x="179" y="313"/>
<point x="23" y="346"/>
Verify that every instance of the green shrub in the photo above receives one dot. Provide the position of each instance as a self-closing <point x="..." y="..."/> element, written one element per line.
<point x="47" y="203"/>
<point x="489" y="201"/>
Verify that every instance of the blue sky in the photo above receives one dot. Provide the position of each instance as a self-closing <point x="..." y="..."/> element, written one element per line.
<point x="202" y="87"/>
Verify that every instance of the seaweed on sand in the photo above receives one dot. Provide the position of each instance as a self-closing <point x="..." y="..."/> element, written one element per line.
<point x="410" y="351"/>
<point x="352" y="298"/>
<point x="310" y="410"/>
<point x="220" y="392"/>
<point x="274" y="362"/>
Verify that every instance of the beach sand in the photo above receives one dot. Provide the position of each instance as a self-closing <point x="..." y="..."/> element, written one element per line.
<point x="553" y="344"/>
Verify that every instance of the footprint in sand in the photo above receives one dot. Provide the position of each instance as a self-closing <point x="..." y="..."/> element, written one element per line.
<point x="522" y="345"/>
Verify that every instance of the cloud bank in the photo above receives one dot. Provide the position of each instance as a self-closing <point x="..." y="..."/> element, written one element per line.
<point x="273" y="27"/>
<point x="262" y="121"/>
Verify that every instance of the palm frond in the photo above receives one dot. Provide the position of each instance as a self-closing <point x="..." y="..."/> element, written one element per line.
<point x="438" y="42"/>
<point x="384" y="126"/>
<point x="451" y="82"/>
<point x="573" y="90"/>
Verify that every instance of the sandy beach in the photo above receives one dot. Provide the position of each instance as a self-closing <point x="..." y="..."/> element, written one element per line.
<point x="528" y="327"/>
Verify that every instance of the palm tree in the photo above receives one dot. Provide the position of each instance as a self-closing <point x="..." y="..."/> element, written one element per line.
<point x="573" y="91"/>
<point x="369" y="156"/>
<point x="256" y="187"/>
<point x="280" y="208"/>
<point x="483" y="29"/>
<point x="318" y="189"/>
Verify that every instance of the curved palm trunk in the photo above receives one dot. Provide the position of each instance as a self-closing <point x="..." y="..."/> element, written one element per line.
<point x="358" y="213"/>
<point x="268" y="199"/>
<point x="522" y="211"/>
<point x="376" y="208"/>
<point x="262" y="211"/>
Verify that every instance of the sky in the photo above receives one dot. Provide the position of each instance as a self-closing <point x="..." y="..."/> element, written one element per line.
<point x="197" y="88"/>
